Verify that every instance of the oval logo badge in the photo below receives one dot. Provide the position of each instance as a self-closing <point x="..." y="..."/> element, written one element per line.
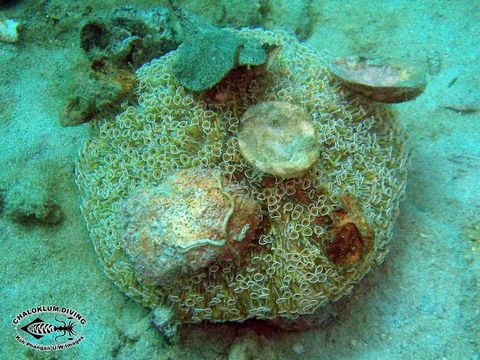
<point x="49" y="328"/>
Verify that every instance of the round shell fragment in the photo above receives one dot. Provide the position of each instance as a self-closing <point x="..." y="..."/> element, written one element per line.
<point x="380" y="82"/>
<point x="184" y="224"/>
<point x="278" y="138"/>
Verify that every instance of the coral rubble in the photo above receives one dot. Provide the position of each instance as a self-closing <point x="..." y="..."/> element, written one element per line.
<point x="115" y="45"/>
<point x="129" y="37"/>
<point x="34" y="205"/>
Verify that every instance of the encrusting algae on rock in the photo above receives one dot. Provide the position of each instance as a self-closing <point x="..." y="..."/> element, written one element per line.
<point x="319" y="232"/>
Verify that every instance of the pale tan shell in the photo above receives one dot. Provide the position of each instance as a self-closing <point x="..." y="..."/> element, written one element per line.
<point x="387" y="83"/>
<point x="278" y="138"/>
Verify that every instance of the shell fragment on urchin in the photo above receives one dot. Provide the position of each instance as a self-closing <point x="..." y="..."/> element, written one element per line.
<point x="387" y="83"/>
<point x="185" y="223"/>
<point x="278" y="138"/>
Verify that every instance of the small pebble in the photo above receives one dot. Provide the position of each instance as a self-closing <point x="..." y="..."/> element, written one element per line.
<point x="9" y="30"/>
<point x="298" y="348"/>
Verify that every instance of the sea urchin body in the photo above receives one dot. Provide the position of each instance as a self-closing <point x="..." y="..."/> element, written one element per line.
<point x="320" y="232"/>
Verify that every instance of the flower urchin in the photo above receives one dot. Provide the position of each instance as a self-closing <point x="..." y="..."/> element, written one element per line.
<point x="321" y="232"/>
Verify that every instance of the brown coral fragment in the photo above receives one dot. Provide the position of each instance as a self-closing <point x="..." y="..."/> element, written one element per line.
<point x="347" y="247"/>
<point x="351" y="233"/>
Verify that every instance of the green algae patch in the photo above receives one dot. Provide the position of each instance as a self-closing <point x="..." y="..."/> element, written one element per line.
<point x="204" y="59"/>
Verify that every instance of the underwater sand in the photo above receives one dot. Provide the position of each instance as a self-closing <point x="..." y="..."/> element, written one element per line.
<point x="422" y="303"/>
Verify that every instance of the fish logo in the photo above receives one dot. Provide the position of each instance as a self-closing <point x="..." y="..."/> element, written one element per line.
<point x="39" y="328"/>
<point x="48" y="328"/>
